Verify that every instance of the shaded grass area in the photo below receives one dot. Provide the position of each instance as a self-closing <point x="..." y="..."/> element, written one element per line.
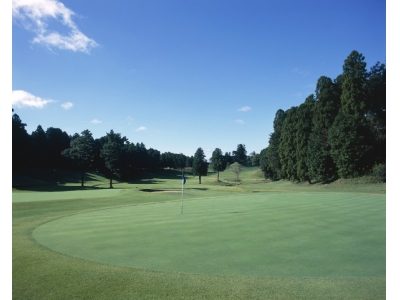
<point x="39" y="273"/>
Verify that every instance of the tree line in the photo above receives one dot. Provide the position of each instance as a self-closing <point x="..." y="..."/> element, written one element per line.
<point x="112" y="154"/>
<point x="338" y="132"/>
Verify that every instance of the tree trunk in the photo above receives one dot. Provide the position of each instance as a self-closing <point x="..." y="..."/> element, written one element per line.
<point x="111" y="180"/>
<point x="199" y="179"/>
<point x="83" y="174"/>
<point x="217" y="175"/>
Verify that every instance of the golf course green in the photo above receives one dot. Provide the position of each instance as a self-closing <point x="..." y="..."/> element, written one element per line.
<point x="285" y="235"/>
<point x="247" y="239"/>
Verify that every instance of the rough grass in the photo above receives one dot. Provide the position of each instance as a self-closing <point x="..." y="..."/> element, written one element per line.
<point x="40" y="273"/>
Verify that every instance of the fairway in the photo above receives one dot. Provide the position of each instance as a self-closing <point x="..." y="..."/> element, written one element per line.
<point x="298" y="235"/>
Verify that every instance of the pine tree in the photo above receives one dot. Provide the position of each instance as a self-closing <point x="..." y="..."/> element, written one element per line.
<point x="218" y="162"/>
<point x="200" y="165"/>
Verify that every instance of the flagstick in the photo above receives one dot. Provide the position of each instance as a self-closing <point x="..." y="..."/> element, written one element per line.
<point x="182" y="199"/>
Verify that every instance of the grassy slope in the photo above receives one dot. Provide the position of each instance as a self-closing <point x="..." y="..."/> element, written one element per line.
<point x="39" y="273"/>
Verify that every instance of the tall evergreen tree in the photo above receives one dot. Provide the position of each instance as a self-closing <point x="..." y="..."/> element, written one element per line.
<point x="354" y="85"/>
<point x="303" y="130"/>
<point x="287" y="147"/>
<point x="39" y="147"/>
<point x="268" y="173"/>
<point x="20" y="144"/>
<point x="218" y="162"/>
<point x="319" y="161"/>
<point x="320" y="164"/>
<point x="111" y="152"/>
<point x="274" y="166"/>
<point x="57" y="141"/>
<point x="200" y="165"/>
<point x="153" y="158"/>
<point x="376" y="113"/>
<point x="240" y="154"/>
<point x="348" y="139"/>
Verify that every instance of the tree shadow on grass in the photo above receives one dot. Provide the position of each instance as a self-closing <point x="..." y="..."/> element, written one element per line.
<point x="172" y="190"/>
<point x="54" y="180"/>
<point x="58" y="188"/>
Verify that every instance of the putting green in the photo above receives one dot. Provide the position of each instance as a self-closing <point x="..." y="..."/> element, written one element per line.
<point x="65" y="195"/>
<point x="284" y="235"/>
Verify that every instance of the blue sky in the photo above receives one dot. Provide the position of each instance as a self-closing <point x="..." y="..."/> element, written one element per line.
<point x="178" y="75"/>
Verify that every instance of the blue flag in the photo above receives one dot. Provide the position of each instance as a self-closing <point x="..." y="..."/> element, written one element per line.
<point x="183" y="179"/>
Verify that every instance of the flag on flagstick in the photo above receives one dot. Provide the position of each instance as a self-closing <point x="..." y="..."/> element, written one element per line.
<point x="183" y="179"/>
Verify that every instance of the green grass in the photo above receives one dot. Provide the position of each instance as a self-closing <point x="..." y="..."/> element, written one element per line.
<point x="251" y="240"/>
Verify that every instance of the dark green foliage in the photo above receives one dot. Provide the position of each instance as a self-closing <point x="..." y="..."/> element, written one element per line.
<point x="342" y="132"/>
<point x="180" y="161"/>
<point x="327" y="96"/>
<point x="39" y="148"/>
<point x="174" y="161"/>
<point x="376" y="100"/>
<point x="272" y="167"/>
<point x="348" y="138"/>
<point x="287" y="146"/>
<point x="354" y="85"/>
<point x="303" y="130"/>
<point x="376" y="111"/>
<point x="153" y="158"/>
<point x="200" y="165"/>
<point x="240" y="154"/>
<point x="218" y="162"/>
<point x="81" y="151"/>
<point x="57" y="141"/>
<point x="319" y="161"/>
<point x="228" y="158"/>
<point x="20" y="144"/>
<point x="264" y="164"/>
<point x="379" y="171"/>
<point x="320" y="164"/>
<point x="294" y="140"/>
<point x="111" y="152"/>
<point x="255" y="160"/>
<point x="189" y="161"/>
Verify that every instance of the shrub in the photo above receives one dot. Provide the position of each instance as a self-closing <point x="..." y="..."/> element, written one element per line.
<point x="379" y="171"/>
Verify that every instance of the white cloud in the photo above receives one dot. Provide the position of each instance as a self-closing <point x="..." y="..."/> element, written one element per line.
<point x="95" y="121"/>
<point x="244" y="108"/>
<point x="34" y="15"/>
<point x="239" y="121"/>
<point x="67" y="105"/>
<point x="24" y="99"/>
<point x="300" y="72"/>
<point x="141" y="128"/>
<point x="129" y="120"/>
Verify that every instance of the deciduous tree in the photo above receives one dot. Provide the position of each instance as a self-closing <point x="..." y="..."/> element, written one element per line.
<point x="236" y="168"/>
<point x="81" y="151"/>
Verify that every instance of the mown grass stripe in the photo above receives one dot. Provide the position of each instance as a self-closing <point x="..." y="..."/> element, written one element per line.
<point x="286" y="235"/>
